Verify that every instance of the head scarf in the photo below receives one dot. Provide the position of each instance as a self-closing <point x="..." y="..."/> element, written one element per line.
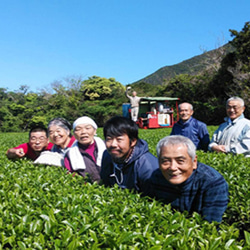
<point x="84" y="120"/>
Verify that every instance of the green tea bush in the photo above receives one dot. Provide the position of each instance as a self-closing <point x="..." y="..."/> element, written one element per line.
<point x="43" y="207"/>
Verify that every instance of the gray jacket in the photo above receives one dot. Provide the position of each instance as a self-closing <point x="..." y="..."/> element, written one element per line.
<point x="235" y="135"/>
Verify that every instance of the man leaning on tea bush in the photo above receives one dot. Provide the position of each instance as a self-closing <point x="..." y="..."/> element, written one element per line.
<point x="127" y="161"/>
<point x="186" y="183"/>
<point x="38" y="142"/>
<point x="233" y="136"/>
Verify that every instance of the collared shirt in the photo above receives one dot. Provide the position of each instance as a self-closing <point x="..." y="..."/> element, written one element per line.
<point x="204" y="192"/>
<point x="62" y="151"/>
<point x="195" y="130"/>
<point x="235" y="135"/>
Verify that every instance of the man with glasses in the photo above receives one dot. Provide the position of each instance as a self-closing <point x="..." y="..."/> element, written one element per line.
<point x="233" y="136"/>
<point x="127" y="161"/>
<point x="38" y="142"/>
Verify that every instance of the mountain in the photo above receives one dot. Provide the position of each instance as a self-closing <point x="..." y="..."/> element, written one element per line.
<point x="192" y="66"/>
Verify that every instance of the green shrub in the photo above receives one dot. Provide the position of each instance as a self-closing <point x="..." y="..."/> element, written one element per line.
<point x="43" y="207"/>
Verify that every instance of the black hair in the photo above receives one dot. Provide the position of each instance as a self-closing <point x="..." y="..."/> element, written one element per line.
<point x="39" y="129"/>
<point x="119" y="125"/>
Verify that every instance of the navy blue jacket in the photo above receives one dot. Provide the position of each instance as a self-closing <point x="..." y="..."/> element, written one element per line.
<point x="195" y="130"/>
<point x="134" y="174"/>
<point x="204" y="192"/>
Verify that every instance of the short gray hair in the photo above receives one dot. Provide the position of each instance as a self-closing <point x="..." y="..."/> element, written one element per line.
<point x="61" y="122"/>
<point x="177" y="140"/>
<point x="191" y="106"/>
<point x="236" y="98"/>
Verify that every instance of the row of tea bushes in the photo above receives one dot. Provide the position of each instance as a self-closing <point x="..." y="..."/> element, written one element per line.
<point x="43" y="207"/>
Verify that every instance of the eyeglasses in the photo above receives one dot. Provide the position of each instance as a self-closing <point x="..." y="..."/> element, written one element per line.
<point x="233" y="107"/>
<point x="34" y="139"/>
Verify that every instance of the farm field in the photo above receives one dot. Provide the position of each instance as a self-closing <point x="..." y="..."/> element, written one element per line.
<point x="43" y="207"/>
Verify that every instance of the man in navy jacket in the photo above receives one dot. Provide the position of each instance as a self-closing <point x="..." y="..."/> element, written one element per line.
<point x="127" y="161"/>
<point x="187" y="184"/>
<point x="188" y="126"/>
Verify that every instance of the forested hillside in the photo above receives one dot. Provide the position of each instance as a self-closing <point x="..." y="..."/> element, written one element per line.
<point x="210" y="88"/>
<point x="223" y="74"/>
<point x="192" y="66"/>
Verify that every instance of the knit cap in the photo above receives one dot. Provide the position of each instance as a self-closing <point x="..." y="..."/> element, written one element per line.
<point x="84" y="120"/>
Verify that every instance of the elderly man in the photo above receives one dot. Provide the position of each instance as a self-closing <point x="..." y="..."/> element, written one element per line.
<point x="187" y="184"/>
<point x="188" y="126"/>
<point x="134" y="102"/>
<point x="233" y="136"/>
<point x="38" y="142"/>
<point x="127" y="161"/>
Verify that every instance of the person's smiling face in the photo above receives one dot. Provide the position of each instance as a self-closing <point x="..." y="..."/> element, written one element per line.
<point x="234" y="109"/>
<point x="185" y="111"/>
<point x="84" y="133"/>
<point x="119" y="147"/>
<point x="38" y="140"/>
<point x="175" y="163"/>
<point x="59" y="136"/>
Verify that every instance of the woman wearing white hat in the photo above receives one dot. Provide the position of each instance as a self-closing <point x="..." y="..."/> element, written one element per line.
<point x="85" y="156"/>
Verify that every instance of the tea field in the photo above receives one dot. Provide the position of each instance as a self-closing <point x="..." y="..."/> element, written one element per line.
<point x="43" y="207"/>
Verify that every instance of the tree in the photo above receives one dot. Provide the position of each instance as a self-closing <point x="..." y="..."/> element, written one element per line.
<point x="241" y="42"/>
<point x="234" y="76"/>
<point x="98" y="88"/>
<point x="24" y="89"/>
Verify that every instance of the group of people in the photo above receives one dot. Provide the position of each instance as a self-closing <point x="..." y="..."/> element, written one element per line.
<point x="232" y="136"/>
<point x="175" y="176"/>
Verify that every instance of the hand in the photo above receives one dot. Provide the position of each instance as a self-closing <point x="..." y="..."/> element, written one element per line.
<point x="20" y="152"/>
<point x="128" y="88"/>
<point x="219" y="148"/>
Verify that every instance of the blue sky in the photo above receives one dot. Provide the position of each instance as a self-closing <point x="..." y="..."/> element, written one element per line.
<point x="43" y="41"/>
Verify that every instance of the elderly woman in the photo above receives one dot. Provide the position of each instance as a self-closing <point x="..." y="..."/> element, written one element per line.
<point x="85" y="156"/>
<point x="60" y="135"/>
